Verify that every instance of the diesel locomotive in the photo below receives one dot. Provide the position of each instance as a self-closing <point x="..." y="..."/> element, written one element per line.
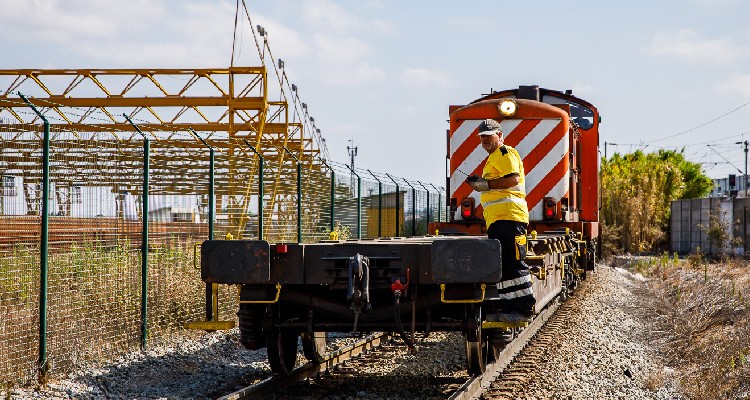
<point x="444" y="281"/>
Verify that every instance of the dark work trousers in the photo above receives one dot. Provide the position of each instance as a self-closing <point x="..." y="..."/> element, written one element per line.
<point x="514" y="290"/>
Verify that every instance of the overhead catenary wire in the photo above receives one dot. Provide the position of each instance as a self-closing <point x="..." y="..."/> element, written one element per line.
<point x="234" y="35"/>
<point x="280" y="73"/>
<point x="701" y="145"/>
<point x="725" y="159"/>
<point x="700" y="152"/>
<point x="701" y="125"/>
<point x="686" y="145"/>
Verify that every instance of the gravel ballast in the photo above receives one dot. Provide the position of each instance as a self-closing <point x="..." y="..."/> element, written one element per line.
<point x="600" y="355"/>
<point x="198" y="366"/>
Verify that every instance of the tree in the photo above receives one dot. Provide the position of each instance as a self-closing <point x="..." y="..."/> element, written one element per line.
<point x="697" y="184"/>
<point x="637" y="192"/>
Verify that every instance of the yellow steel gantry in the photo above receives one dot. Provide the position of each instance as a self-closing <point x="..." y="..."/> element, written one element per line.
<point x="229" y="106"/>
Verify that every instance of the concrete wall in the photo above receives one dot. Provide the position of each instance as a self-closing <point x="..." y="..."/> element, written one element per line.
<point x="688" y="216"/>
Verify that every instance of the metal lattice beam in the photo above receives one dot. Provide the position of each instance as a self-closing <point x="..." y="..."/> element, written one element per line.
<point x="227" y="106"/>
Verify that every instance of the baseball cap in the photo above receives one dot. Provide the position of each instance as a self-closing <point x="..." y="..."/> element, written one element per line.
<point x="489" y="127"/>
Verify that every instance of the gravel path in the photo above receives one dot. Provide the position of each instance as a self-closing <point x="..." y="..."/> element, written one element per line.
<point x="600" y="356"/>
<point x="198" y="367"/>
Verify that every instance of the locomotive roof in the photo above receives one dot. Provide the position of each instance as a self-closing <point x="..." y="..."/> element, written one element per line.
<point x="497" y="94"/>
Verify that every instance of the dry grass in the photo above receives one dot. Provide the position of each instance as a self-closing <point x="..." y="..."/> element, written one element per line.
<point x="700" y="321"/>
<point x="94" y="305"/>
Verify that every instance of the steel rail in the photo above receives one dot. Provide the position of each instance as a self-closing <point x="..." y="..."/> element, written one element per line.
<point x="478" y="384"/>
<point x="266" y="388"/>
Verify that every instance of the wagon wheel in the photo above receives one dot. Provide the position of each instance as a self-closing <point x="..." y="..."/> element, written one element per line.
<point x="251" y="326"/>
<point x="281" y="345"/>
<point x="477" y="347"/>
<point x="494" y="349"/>
<point x="314" y="346"/>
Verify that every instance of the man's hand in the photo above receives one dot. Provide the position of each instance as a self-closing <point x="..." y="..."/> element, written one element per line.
<point x="478" y="184"/>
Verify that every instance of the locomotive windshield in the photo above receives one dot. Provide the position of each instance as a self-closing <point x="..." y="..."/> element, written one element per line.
<point x="581" y="114"/>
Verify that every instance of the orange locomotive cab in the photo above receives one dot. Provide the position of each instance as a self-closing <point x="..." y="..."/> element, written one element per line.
<point x="556" y="135"/>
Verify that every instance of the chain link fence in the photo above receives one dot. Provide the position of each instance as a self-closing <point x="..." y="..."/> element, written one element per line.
<point x="20" y="233"/>
<point x="98" y="206"/>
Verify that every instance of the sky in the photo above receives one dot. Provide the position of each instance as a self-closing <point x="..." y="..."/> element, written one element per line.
<point x="379" y="75"/>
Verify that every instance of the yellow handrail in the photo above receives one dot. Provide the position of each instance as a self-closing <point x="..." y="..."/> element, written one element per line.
<point x="466" y="301"/>
<point x="276" y="300"/>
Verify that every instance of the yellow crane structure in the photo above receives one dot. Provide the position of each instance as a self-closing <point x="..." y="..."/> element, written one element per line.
<point x="229" y="108"/>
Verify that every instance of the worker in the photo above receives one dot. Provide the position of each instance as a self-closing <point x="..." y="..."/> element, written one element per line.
<point x="503" y="197"/>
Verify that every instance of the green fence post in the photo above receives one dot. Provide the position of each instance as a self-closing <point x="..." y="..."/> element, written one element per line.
<point x="211" y="181"/>
<point x="380" y="204"/>
<point x="144" y="236"/>
<point x="333" y="192"/>
<point x="211" y="190"/>
<point x="398" y="202"/>
<point x="440" y="203"/>
<point x="359" y="203"/>
<point x="44" y="243"/>
<point x="413" y="208"/>
<point x="428" y="204"/>
<point x="260" y="189"/>
<point x="299" y="195"/>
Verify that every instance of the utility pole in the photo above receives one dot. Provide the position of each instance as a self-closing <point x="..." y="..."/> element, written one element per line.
<point x="352" y="153"/>
<point x="605" y="148"/>
<point x="745" y="143"/>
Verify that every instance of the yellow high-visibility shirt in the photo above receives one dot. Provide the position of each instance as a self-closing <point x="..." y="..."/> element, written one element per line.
<point x="505" y="204"/>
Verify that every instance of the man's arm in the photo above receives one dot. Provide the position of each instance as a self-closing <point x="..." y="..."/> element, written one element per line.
<point x="506" y="182"/>
<point x="482" y="185"/>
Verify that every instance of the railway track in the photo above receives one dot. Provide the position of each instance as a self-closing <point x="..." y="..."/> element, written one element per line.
<point x="518" y="373"/>
<point x="267" y="388"/>
<point x="477" y="385"/>
<point x="504" y="377"/>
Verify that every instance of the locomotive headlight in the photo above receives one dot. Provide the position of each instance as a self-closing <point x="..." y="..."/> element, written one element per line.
<point x="508" y="107"/>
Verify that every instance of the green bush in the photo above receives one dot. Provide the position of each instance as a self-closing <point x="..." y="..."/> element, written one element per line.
<point x="637" y="191"/>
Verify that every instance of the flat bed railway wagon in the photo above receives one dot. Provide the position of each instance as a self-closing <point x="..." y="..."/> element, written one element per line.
<point x="441" y="282"/>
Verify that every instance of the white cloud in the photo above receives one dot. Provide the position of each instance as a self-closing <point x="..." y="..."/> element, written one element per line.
<point x="364" y="72"/>
<point x="194" y="34"/>
<point x="285" y="42"/>
<point x="425" y="77"/>
<point x="690" y="45"/>
<point x="582" y="90"/>
<point x="343" y="60"/>
<point x="737" y="83"/>
<point x="382" y="27"/>
<point x="338" y="39"/>
<point x="340" y="49"/>
<point x="469" y="23"/>
<point x="712" y="3"/>
<point x="60" y="23"/>
<point x="346" y="130"/>
<point x="133" y="33"/>
<point x="375" y="4"/>
<point x="324" y="15"/>
<point x="352" y="74"/>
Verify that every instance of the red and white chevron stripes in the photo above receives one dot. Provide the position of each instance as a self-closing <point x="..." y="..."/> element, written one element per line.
<point x="543" y="145"/>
